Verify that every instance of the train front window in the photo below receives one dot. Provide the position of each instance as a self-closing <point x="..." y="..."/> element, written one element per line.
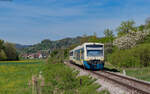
<point x="94" y="52"/>
<point x="94" y="46"/>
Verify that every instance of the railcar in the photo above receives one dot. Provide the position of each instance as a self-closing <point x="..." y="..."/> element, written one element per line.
<point x="88" y="55"/>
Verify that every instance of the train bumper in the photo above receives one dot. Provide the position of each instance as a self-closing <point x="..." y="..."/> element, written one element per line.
<point x="93" y="66"/>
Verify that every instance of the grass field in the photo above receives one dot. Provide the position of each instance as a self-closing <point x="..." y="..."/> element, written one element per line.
<point x="139" y="73"/>
<point x="20" y="62"/>
<point x="15" y="76"/>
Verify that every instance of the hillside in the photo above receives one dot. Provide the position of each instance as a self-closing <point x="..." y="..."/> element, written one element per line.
<point x="51" y="45"/>
<point x="19" y="46"/>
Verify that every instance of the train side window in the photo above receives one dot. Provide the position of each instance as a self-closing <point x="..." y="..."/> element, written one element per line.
<point x="71" y="53"/>
<point x="82" y="53"/>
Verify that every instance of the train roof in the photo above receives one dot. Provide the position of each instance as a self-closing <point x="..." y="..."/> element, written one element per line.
<point x="71" y="50"/>
<point x="87" y="43"/>
<point x="78" y="47"/>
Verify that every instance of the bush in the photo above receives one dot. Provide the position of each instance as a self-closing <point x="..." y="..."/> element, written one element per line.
<point x="61" y="79"/>
<point x="108" y="49"/>
<point x="10" y="51"/>
<point x="2" y="55"/>
<point x="131" y="39"/>
<point x="135" y="57"/>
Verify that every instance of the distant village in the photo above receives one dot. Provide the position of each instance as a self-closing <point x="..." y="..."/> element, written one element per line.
<point x="38" y="55"/>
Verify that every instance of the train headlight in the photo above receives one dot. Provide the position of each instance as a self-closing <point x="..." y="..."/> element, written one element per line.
<point x="102" y="59"/>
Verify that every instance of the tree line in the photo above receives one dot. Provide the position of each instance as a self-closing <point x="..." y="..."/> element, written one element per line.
<point x="128" y="47"/>
<point x="7" y="51"/>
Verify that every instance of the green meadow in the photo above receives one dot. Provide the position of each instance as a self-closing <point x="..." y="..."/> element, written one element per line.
<point x="139" y="73"/>
<point x="15" y="76"/>
<point x="142" y="73"/>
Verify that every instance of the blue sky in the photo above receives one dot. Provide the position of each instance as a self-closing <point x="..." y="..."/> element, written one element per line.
<point x="30" y="21"/>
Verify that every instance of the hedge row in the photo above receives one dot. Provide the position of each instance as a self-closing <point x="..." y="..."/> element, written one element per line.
<point x="138" y="56"/>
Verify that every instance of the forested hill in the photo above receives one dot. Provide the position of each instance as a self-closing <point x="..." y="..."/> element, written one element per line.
<point x="50" y="45"/>
<point x="19" y="46"/>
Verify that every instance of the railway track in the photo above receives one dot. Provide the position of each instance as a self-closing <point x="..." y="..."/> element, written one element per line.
<point x="133" y="85"/>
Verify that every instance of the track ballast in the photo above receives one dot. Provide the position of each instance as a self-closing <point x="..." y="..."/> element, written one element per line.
<point x="133" y="85"/>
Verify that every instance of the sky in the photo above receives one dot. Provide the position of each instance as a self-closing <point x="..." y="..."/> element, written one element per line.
<point x="30" y="21"/>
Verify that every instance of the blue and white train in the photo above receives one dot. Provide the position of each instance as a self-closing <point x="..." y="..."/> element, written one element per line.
<point x="89" y="55"/>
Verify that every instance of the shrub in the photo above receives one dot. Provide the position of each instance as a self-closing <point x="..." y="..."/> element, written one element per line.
<point x="135" y="57"/>
<point x="2" y="55"/>
<point x="125" y="27"/>
<point x="108" y="49"/>
<point x="130" y="40"/>
<point x="10" y="51"/>
<point x="61" y="79"/>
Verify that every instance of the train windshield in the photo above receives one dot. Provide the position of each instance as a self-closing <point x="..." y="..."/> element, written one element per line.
<point x="94" y="50"/>
<point x="94" y="53"/>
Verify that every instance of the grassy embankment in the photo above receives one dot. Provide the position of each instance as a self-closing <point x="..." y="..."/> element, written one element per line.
<point x="136" y="61"/>
<point x="142" y="73"/>
<point x="15" y="76"/>
<point x="139" y="73"/>
<point x="61" y="79"/>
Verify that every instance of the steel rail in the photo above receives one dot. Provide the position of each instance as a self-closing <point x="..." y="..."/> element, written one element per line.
<point x="134" y="89"/>
<point x="129" y="78"/>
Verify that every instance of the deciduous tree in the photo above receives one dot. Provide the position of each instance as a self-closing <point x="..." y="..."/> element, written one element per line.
<point x="10" y="51"/>
<point x="93" y="38"/>
<point x="2" y="55"/>
<point x="126" y="27"/>
<point x="1" y="44"/>
<point x="108" y="33"/>
<point x="147" y="23"/>
<point x="109" y="36"/>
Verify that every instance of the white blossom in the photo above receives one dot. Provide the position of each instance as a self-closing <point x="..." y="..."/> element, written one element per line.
<point x="130" y="40"/>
